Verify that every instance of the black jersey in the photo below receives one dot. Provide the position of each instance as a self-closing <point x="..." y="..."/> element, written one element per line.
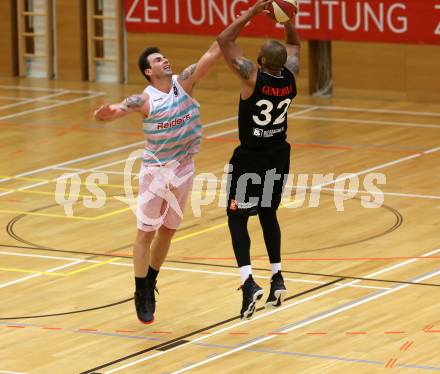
<point x="262" y="118"/>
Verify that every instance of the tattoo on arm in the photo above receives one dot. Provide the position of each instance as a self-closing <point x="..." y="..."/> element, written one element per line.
<point x="134" y="102"/>
<point x="188" y="72"/>
<point x="292" y="63"/>
<point x="243" y="66"/>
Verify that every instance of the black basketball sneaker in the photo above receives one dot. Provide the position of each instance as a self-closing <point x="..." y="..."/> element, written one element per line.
<point x="145" y="302"/>
<point x="252" y="292"/>
<point x="277" y="292"/>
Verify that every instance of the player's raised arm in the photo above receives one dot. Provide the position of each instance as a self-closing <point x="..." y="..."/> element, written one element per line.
<point x="189" y="77"/>
<point x="245" y="69"/>
<point x="293" y="46"/>
<point x="131" y="104"/>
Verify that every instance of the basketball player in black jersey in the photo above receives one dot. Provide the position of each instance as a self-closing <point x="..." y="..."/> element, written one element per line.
<point x="261" y="162"/>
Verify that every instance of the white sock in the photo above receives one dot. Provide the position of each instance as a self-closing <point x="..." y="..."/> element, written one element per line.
<point x="276" y="267"/>
<point x="245" y="271"/>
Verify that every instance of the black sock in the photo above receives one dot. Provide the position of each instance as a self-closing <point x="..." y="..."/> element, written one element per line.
<point x="140" y="283"/>
<point x="152" y="274"/>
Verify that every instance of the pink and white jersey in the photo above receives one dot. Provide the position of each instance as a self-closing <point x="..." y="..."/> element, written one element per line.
<point x="173" y="127"/>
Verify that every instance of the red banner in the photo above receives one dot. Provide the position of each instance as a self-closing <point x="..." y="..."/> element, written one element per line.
<point x="395" y="21"/>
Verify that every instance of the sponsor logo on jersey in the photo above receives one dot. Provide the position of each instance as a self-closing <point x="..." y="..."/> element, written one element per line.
<point x="276" y="91"/>
<point x="175" y="122"/>
<point x="176" y="91"/>
<point x="268" y="133"/>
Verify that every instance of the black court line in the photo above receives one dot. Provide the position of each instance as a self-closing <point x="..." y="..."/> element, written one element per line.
<point x="182" y="339"/>
<point x="219" y="265"/>
<point x="398" y="222"/>
<point x="71" y="312"/>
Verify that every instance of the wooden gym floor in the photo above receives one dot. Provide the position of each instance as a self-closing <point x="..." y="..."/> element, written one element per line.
<point x="363" y="283"/>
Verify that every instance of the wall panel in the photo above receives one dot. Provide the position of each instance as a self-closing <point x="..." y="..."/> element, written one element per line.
<point x="8" y="32"/>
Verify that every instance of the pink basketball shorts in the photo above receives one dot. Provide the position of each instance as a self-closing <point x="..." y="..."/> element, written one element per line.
<point x="163" y="193"/>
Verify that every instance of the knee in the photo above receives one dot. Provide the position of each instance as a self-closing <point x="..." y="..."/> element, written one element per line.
<point x="166" y="232"/>
<point x="144" y="236"/>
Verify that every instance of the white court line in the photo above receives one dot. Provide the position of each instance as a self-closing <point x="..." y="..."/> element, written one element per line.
<point x="38" y="184"/>
<point x="76" y="160"/>
<point x="215" y="123"/>
<point x="11" y="372"/>
<point x="67" y="102"/>
<point x="369" y="110"/>
<point x="92" y="156"/>
<point x="298" y="280"/>
<point x="16" y="98"/>
<point x="417" y="196"/>
<point x="103" y="171"/>
<point x="281" y="309"/>
<point x="42" y="256"/>
<point x="39" y="275"/>
<point x="382" y="166"/>
<point x="236" y="128"/>
<point x="42" y="89"/>
<point x="370" y="122"/>
<point x="309" y="321"/>
<point x="40" y="98"/>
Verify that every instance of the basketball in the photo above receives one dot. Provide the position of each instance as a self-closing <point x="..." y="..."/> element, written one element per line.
<point x="282" y="10"/>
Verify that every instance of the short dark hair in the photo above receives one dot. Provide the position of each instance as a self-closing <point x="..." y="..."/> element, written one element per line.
<point x="275" y="54"/>
<point x="143" y="62"/>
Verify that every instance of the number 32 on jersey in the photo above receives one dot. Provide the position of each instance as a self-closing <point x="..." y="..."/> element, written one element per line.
<point x="265" y="116"/>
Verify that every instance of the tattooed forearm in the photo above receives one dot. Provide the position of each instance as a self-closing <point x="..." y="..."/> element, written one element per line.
<point x="188" y="72"/>
<point x="244" y="67"/>
<point x="292" y="63"/>
<point x="134" y="102"/>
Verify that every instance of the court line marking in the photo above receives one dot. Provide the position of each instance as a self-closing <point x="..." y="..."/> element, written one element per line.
<point x="94" y="169"/>
<point x="298" y="280"/>
<point x="3" y="285"/>
<point x="121" y="148"/>
<point x="370" y="122"/>
<point x="16" y="98"/>
<point x="67" y="102"/>
<point x="91" y="156"/>
<point x="11" y="372"/>
<point x="5" y="253"/>
<point x="93" y="266"/>
<point x="45" y="193"/>
<point x="417" y="196"/>
<point x="61" y="177"/>
<point x="324" y="107"/>
<point x="55" y="180"/>
<point x="378" y="167"/>
<point x="45" y="89"/>
<point x="369" y="110"/>
<point x="50" y="215"/>
<point x="40" y="98"/>
<point x="32" y="272"/>
<point x="383" y="293"/>
<point x="308" y="321"/>
<point x="286" y="205"/>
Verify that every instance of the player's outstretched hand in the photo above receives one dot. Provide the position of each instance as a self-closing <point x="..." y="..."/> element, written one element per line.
<point x="104" y="113"/>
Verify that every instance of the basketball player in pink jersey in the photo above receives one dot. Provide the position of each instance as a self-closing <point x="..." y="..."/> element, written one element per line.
<point x="171" y="121"/>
